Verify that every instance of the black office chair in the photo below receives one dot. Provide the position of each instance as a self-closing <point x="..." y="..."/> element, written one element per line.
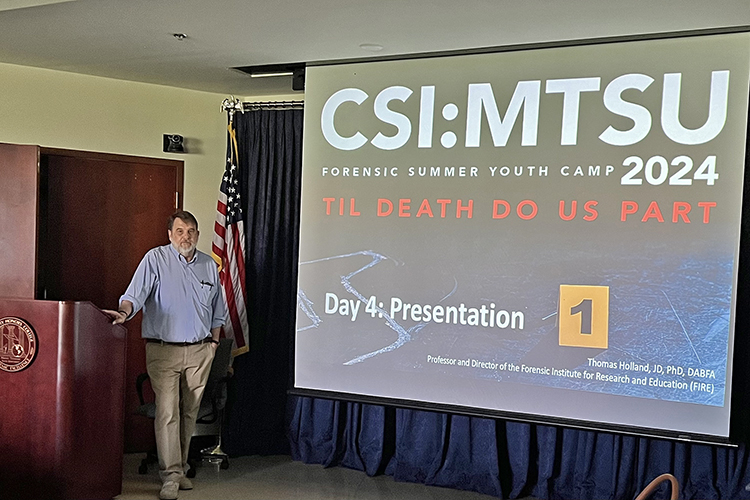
<point x="210" y="414"/>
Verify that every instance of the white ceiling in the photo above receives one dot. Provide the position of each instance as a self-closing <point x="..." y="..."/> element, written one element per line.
<point x="132" y="39"/>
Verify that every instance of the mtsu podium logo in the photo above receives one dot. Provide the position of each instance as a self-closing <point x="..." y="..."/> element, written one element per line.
<point x="18" y="344"/>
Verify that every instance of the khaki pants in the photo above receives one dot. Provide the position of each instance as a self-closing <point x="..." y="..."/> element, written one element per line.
<point x="178" y="375"/>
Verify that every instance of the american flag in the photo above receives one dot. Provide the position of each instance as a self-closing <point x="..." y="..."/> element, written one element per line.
<point x="229" y="249"/>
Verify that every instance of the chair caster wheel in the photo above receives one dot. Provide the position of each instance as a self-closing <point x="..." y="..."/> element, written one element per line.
<point x="224" y="464"/>
<point x="143" y="468"/>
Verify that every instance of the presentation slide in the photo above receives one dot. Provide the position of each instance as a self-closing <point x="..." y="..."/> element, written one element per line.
<point x="550" y="232"/>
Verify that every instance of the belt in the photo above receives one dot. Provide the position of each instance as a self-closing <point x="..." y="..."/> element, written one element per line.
<point x="164" y="342"/>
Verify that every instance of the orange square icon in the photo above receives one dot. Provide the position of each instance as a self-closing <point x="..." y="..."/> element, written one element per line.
<point x="584" y="316"/>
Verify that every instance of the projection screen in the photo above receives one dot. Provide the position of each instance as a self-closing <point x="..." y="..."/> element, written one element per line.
<point x="548" y="234"/>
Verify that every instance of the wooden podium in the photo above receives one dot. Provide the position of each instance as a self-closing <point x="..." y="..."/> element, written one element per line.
<point x="62" y="406"/>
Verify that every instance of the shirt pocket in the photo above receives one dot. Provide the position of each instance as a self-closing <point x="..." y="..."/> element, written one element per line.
<point x="204" y="295"/>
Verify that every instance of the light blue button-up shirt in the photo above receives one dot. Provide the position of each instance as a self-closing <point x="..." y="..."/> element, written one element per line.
<point x="181" y="301"/>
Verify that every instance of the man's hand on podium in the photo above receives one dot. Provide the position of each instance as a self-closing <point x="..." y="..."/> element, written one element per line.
<point x="117" y="317"/>
<point x="122" y="314"/>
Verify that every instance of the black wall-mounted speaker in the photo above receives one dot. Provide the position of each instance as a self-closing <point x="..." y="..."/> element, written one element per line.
<point x="173" y="143"/>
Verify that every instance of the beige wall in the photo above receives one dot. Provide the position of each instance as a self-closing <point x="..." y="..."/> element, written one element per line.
<point x="72" y="111"/>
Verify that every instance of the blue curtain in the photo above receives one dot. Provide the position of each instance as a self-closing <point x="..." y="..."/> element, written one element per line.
<point x="495" y="457"/>
<point x="508" y="459"/>
<point x="270" y="164"/>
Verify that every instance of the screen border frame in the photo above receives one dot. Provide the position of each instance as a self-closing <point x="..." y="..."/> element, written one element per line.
<point x="739" y="383"/>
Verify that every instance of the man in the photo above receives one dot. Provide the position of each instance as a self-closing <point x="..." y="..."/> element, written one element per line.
<point x="178" y="289"/>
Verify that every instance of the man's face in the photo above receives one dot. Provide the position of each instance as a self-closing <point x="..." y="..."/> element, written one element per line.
<point x="184" y="237"/>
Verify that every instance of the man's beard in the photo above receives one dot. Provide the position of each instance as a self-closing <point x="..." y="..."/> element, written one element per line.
<point x="186" y="251"/>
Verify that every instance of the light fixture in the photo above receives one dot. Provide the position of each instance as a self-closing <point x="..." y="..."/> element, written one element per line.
<point x="295" y="70"/>
<point x="179" y="36"/>
<point x="271" y="73"/>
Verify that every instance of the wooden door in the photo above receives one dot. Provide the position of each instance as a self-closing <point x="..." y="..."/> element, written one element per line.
<point x="101" y="214"/>
<point x="18" y="219"/>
